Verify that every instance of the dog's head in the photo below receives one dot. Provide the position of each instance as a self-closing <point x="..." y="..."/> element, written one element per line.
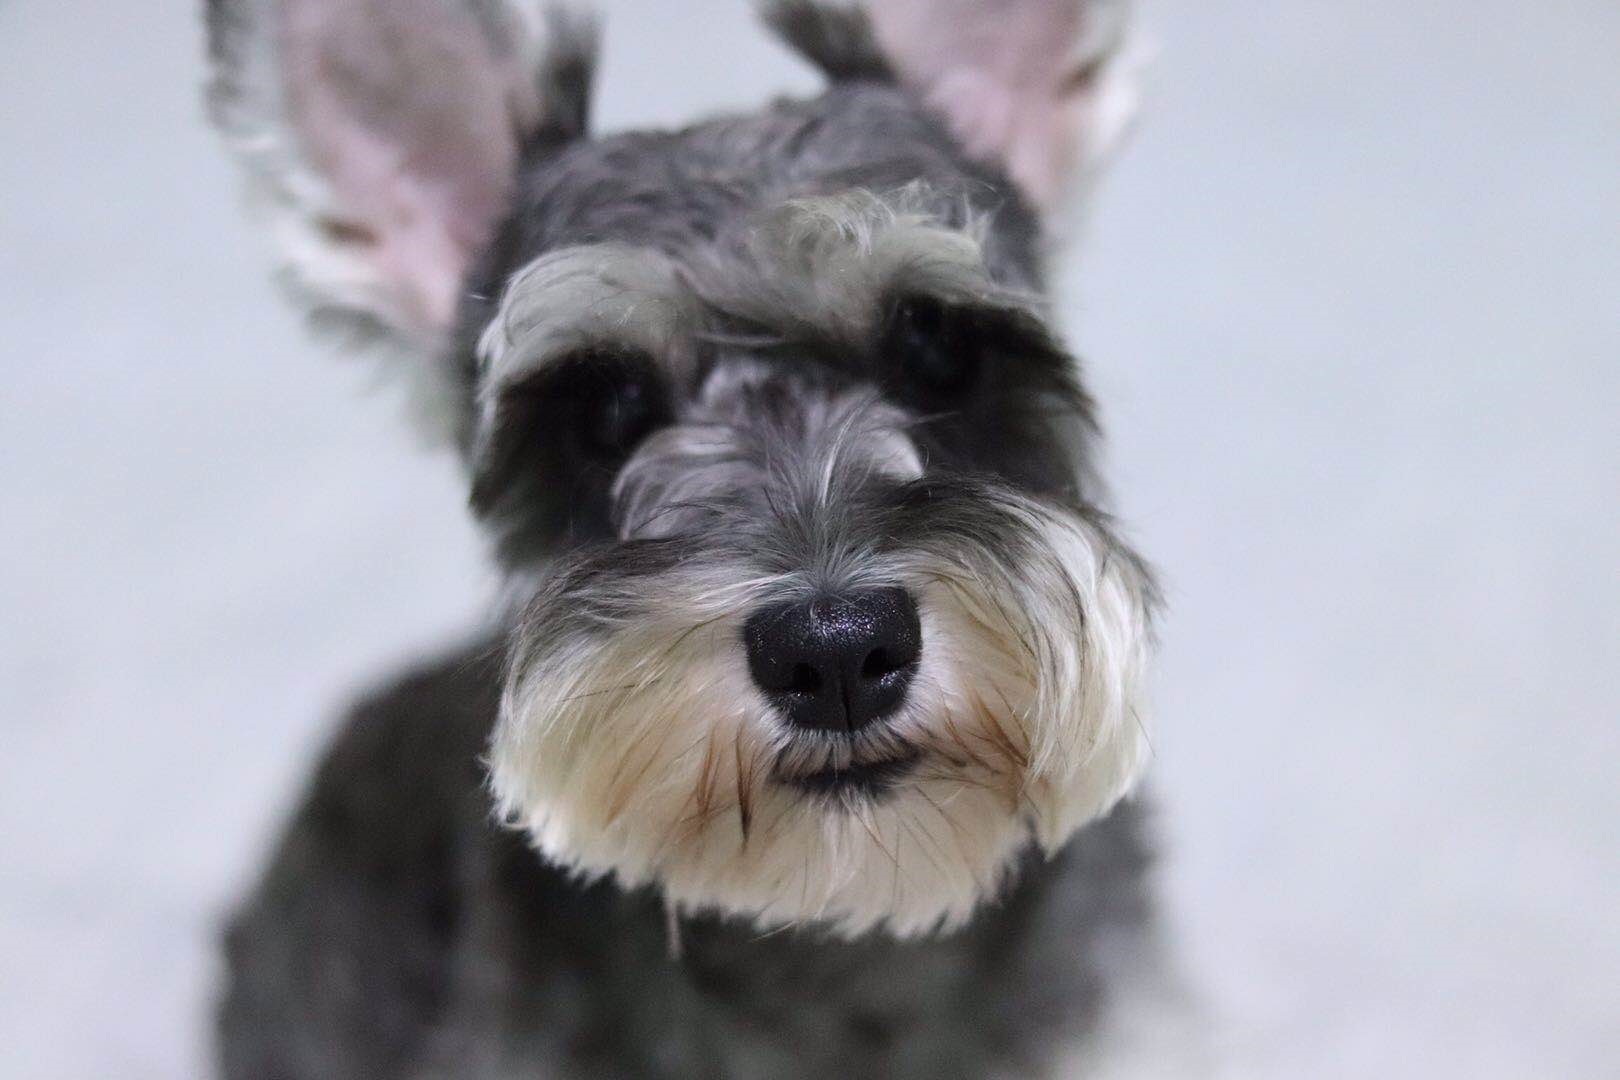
<point x="769" y="427"/>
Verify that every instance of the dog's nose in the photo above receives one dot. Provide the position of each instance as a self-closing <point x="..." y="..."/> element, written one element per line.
<point x="836" y="664"/>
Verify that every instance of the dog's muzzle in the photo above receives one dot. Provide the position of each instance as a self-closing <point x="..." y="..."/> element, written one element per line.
<point x="810" y="683"/>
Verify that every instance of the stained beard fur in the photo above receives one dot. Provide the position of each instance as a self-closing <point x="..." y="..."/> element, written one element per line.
<point x="632" y="743"/>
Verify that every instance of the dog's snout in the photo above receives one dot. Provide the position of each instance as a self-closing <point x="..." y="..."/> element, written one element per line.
<point x="836" y="663"/>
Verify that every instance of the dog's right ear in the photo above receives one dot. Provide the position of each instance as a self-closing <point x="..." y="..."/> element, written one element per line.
<point x="1043" y="88"/>
<point x="382" y="137"/>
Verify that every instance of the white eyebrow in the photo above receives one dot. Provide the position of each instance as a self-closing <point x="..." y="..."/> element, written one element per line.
<point x="608" y="295"/>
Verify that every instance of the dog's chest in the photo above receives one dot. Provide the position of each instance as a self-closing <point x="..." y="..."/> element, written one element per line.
<point x="582" y="981"/>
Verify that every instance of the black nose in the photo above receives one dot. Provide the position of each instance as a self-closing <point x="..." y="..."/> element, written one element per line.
<point x="836" y="664"/>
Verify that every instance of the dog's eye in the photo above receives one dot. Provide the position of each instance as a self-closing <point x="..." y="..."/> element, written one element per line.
<point x="576" y="420"/>
<point x="620" y="410"/>
<point x="934" y="346"/>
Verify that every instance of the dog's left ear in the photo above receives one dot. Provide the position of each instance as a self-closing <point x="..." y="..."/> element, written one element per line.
<point x="1047" y="88"/>
<point x="383" y="138"/>
<point x="1044" y="88"/>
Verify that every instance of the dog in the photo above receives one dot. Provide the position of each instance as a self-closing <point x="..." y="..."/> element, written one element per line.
<point x="800" y="745"/>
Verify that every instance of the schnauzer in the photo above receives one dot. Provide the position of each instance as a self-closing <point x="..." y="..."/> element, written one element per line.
<point x="821" y="667"/>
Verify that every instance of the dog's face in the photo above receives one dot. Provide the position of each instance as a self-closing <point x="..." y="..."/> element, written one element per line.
<point x="817" y="622"/>
<point x="821" y="629"/>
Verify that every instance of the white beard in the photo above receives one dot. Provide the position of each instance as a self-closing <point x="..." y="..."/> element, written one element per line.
<point x="642" y="750"/>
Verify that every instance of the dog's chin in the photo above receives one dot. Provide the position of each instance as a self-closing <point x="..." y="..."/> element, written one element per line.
<point x="905" y="833"/>
<point x="894" y="846"/>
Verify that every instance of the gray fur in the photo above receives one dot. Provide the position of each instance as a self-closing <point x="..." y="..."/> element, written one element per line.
<point x="734" y="274"/>
<point x="399" y="933"/>
<point x="837" y="38"/>
<point x="696" y="197"/>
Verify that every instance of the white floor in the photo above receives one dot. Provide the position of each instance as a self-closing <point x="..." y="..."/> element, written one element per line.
<point x="1350" y="304"/>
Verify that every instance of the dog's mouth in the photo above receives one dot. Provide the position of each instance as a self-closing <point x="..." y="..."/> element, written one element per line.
<point x="865" y="779"/>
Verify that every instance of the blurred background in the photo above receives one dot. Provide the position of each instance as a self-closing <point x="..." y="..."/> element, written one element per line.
<point x="1350" y="301"/>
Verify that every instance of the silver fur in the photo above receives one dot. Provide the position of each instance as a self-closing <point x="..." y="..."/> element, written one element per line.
<point x="794" y="356"/>
<point x="631" y="742"/>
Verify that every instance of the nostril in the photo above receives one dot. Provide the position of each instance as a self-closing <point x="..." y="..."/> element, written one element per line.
<point x="803" y="679"/>
<point x="881" y="661"/>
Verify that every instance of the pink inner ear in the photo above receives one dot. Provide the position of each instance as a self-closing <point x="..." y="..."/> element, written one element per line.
<point x="1005" y="73"/>
<point x="411" y="118"/>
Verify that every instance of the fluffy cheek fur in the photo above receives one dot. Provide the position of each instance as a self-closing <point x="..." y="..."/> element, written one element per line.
<point x="635" y="745"/>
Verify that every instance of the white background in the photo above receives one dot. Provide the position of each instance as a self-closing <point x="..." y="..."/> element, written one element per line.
<point x="1351" y="303"/>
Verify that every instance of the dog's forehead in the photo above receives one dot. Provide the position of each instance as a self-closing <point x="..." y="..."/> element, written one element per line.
<point x="668" y="190"/>
<point x="809" y="271"/>
<point x="695" y="197"/>
<point x="819" y="271"/>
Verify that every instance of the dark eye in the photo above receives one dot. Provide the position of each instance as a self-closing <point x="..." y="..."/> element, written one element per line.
<point x="549" y="451"/>
<point x="934" y="347"/>
<point x="621" y="409"/>
<point x="607" y="403"/>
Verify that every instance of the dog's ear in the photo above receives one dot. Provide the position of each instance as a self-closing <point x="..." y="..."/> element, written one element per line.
<point x="1044" y="88"/>
<point x="382" y="138"/>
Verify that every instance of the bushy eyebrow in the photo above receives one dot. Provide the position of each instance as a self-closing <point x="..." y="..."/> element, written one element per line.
<point x="608" y="297"/>
<point x="830" y="267"/>
<point x="826" y="269"/>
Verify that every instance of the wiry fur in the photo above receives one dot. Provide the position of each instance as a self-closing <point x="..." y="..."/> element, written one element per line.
<point x="837" y="38"/>
<point x="829" y="265"/>
<point x="399" y="933"/>
<point x="632" y="742"/>
<point x="696" y="375"/>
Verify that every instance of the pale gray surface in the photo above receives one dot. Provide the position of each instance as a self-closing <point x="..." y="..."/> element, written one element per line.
<point x="1351" y="307"/>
